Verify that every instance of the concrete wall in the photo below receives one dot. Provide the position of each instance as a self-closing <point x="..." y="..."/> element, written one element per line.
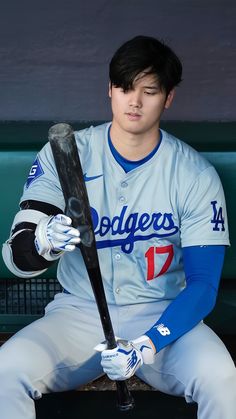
<point x="54" y="55"/>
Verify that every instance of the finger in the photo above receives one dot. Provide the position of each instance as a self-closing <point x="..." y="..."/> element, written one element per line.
<point x="65" y="247"/>
<point x="60" y="228"/>
<point x="64" y="240"/>
<point x="103" y="345"/>
<point x="110" y="353"/>
<point x="69" y="247"/>
<point x="63" y="219"/>
<point x="100" y="347"/>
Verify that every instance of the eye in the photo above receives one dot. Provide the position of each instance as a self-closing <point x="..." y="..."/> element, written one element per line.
<point x="124" y="91"/>
<point x="150" y="93"/>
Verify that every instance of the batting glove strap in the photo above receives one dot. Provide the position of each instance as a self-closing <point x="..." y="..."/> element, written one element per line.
<point x="144" y="345"/>
<point x="54" y="235"/>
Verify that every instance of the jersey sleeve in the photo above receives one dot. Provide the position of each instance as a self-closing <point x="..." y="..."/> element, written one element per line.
<point x="204" y="216"/>
<point x="42" y="183"/>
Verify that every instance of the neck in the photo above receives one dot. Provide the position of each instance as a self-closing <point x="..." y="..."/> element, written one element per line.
<point x="131" y="146"/>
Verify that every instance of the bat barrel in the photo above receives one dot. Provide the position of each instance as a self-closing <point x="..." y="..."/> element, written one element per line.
<point x="62" y="141"/>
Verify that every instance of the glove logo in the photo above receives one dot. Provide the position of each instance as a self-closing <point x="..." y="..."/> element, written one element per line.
<point x="133" y="360"/>
<point x="132" y="363"/>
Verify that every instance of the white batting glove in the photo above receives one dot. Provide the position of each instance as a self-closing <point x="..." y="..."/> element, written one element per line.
<point x="54" y="235"/>
<point x="121" y="362"/>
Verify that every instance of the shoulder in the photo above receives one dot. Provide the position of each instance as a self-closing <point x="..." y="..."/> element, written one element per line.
<point x="91" y="141"/>
<point x="92" y="134"/>
<point x="83" y="138"/>
<point x="186" y="161"/>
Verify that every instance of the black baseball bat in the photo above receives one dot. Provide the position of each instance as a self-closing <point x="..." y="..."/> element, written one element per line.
<point x="67" y="161"/>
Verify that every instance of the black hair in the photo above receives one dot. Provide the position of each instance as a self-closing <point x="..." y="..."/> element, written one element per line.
<point x="145" y="53"/>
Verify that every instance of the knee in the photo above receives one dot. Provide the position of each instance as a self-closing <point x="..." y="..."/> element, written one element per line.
<point x="215" y="394"/>
<point x="225" y="383"/>
<point x="13" y="380"/>
<point x="11" y="377"/>
<point x="219" y="383"/>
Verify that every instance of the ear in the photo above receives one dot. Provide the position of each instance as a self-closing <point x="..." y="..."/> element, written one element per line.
<point x="109" y="89"/>
<point x="169" y="99"/>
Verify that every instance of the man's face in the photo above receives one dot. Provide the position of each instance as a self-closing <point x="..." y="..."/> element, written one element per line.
<point x="139" y="110"/>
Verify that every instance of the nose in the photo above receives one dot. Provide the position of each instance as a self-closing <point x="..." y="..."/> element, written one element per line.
<point x="135" y="99"/>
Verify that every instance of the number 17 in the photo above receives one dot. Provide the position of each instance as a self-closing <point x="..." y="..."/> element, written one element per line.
<point x="150" y="255"/>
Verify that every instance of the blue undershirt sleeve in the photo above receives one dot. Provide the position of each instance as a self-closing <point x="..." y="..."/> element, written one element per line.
<point x="203" y="266"/>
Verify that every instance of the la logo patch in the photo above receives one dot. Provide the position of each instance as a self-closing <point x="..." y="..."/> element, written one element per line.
<point x="218" y="219"/>
<point x="35" y="172"/>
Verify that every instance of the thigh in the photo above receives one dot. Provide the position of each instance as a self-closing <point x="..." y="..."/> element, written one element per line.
<point x="56" y="352"/>
<point x="199" y="355"/>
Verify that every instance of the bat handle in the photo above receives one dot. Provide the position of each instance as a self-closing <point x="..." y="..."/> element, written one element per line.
<point x="125" y="400"/>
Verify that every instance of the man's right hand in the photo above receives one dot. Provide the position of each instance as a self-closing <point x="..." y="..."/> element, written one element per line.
<point x="55" y="234"/>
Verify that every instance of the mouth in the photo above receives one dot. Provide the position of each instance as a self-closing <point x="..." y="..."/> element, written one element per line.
<point x="133" y="116"/>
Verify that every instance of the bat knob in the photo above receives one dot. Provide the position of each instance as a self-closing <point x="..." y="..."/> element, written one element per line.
<point x="125" y="399"/>
<point x="61" y="130"/>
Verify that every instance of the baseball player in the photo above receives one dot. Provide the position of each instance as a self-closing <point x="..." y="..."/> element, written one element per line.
<point x="160" y="224"/>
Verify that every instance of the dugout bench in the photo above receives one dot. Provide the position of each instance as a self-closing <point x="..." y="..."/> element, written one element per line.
<point x="22" y="301"/>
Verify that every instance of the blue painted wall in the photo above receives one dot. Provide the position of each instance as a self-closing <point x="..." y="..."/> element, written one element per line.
<point x="54" y="55"/>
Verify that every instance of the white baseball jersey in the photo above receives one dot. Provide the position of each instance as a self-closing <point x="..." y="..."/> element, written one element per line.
<point x="141" y="219"/>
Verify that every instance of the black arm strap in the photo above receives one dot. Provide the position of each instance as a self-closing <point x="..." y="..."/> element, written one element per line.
<point x="25" y="256"/>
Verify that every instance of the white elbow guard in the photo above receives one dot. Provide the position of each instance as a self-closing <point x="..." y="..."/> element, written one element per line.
<point x="8" y="260"/>
<point x="27" y="216"/>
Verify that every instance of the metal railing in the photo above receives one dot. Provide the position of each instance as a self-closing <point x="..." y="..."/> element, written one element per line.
<point x="28" y="296"/>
